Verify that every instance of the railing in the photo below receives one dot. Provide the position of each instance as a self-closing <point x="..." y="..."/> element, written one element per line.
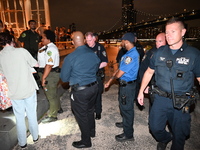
<point x="64" y="45"/>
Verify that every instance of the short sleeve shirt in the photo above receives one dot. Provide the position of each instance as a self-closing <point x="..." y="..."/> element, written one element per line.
<point x="130" y="65"/>
<point x="48" y="55"/>
<point x="184" y="66"/>
<point x="30" y="40"/>
<point x="100" y="51"/>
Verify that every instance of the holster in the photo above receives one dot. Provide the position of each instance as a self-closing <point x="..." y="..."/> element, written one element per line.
<point x="187" y="99"/>
<point x="56" y="69"/>
<point x="122" y="83"/>
<point x="101" y="73"/>
<point x="151" y="93"/>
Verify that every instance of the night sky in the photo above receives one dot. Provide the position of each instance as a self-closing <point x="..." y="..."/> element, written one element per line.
<point x="102" y="15"/>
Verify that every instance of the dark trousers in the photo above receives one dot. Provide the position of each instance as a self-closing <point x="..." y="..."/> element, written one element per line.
<point x="98" y="103"/>
<point x="82" y="103"/>
<point x="162" y="111"/>
<point x="127" y="108"/>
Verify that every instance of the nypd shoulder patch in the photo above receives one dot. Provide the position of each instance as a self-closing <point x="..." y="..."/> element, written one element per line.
<point x="128" y="60"/>
<point x="104" y="53"/>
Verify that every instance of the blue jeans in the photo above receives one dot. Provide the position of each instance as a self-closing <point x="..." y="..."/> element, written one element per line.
<point x="21" y="107"/>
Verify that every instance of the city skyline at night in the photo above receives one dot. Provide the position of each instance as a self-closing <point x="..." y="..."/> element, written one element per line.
<point x="105" y="15"/>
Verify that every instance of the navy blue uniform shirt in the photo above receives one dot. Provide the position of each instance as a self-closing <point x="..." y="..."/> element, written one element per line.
<point x="130" y="65"/>
<point x="80" y="66"/>
<point x="185" y="66"/>
<point x="100" y="51"/>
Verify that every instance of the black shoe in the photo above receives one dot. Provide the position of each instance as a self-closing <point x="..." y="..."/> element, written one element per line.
<point x="92" y="135"/>
<point x="123" y="138"/>
<point x="79" y="144"/>
<point x="98" y="116"/>
<point x="24" y="146"/>
<point x="35" y="141"/>
<point x="49" y="119"/>
<point x="60" y="111"/>
<point x="119" y="124"/>
<point x="161" y="146"/>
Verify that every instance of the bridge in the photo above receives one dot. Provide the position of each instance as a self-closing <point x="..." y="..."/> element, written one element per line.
<point x="149" y="29"/>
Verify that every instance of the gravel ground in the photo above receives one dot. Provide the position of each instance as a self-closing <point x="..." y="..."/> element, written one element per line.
<point x="59" y="135"/>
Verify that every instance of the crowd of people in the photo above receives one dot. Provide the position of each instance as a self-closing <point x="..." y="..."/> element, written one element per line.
<point x="166" y="73"/>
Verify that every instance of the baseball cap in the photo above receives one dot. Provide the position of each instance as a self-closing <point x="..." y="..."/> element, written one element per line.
<point x="128" y="36"/>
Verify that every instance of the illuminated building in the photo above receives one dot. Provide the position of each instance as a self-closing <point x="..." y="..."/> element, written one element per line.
<point x="16" y="13"/>
<point x="128" y="12"/>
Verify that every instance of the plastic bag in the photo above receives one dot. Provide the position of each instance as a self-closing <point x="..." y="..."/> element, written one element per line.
<point x="5" y="101"/>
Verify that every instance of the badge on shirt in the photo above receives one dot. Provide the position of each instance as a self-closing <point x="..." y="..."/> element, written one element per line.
<point x="128" y="60"/>
<point x="49" y="53"/>
<point x="144" y="57"/>
<point x="162" y="58"/>
<point x="50" y="60"/>
<point x="23" y="35"/>
<point x="183" y="60"/>
<point x="104" y="53"/>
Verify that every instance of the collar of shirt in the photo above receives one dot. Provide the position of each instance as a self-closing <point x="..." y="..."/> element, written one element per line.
<point x="49" y="44"/>
<point x="132" y="49"/>
<point x="183" y="47"/>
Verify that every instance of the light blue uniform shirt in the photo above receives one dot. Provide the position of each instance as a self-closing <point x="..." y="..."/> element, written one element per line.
<point x="130" y="65"/>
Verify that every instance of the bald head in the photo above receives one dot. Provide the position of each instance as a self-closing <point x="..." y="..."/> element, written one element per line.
<point x="160" y="40"/>
<point x="78" y="38"/>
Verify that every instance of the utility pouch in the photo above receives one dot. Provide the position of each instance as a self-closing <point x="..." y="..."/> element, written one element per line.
<point x="185" y="101"/>
<point x="57" y="69"/>
<point x="122" y="83"/>
<point x="181" y="101"/>
<point x="123" y="99"/>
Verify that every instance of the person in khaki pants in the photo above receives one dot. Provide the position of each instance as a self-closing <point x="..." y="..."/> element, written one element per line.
<point x="48" y="59"/>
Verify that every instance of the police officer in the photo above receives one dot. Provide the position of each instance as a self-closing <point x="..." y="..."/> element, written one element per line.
<point x="30" y="39"/>
<point x="79" y="69"/>
<point x="140" y="51"/>
<point x="101" y="53"/>
<point x="48" y="59"/>
<point x="123" y="51"/>
<point x="160" y="41"/>
<point x="175" y="66"/>
<point x="127" y="74"/>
